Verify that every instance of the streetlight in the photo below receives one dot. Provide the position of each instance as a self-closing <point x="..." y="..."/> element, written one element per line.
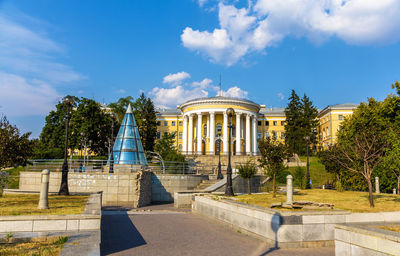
<point x="112" y="144"/>
<point x="68" y="102"/>
<point x="229" y="190"/>
<point x="219" y="173"/>
<point x="308" y="185"/>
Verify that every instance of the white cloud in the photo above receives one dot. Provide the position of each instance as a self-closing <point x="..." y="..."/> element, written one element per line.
<point x="267" y="22"/>
<point x="170" y="97"/>
<point x="31" y="66"/>
<point x="121" y="91"/>
<point x="203" y="84"/>
<point x="20" y="97"/>
<point x="176" y="78"/>
<point x="234" y="92"/>
<point x="281" y="96"/>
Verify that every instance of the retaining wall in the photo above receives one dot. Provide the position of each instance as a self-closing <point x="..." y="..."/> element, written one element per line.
<point x="357" y="240"/>
<point x="284" y="228"/>
<point x="89" y="220"/>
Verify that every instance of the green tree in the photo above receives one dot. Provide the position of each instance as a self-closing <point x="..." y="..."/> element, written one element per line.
<point x="247" y="171"/>
<point x="166" y="148"/>
<point x="119" y="107"/>
<point x="300" y="122"/>
<point x="15" y="148"/>
<point x="299" y="176"/>
<point x="146" y="119"/>
<point x="272" y="155"/>
<point x="362" y="142"/>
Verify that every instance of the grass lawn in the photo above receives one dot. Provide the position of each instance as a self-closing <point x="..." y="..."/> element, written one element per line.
<point x="27" y="205"/>
<point x="45" y="247"/>
<point x="349" y="200"/>
<point x="318" y="173"/>
<point x="395" y="228"/>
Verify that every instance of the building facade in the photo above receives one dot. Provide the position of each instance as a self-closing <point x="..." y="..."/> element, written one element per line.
<point x="201" y="125"/>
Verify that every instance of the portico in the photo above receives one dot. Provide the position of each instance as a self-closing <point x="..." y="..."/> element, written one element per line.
<point x="205" y="121"/>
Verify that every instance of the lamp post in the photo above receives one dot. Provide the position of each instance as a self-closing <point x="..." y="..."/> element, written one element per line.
<point x="112" y="144"/>
<point x="308" y="185"/>
<point x="219" y="173"/>
<point x="229" y="190"/>
<point x="68" y="102"/>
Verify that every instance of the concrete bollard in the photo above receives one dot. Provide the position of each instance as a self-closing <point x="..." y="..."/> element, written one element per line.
<point x="289" y="189"/>
<point x="394" y="191"/>
<point x="377" y="190"/>
<point x="323" y="186"/>
<point x="44" y="190"/>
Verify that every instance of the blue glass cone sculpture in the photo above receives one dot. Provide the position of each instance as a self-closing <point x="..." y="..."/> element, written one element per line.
<point x="128" y="148"/>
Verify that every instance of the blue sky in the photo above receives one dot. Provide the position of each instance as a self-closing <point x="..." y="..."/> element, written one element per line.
<point x="335" y="51"/>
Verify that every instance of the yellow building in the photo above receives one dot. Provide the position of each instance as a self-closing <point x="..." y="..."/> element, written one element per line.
<point x="201" y="125"/>
<point x="330" y="119"/>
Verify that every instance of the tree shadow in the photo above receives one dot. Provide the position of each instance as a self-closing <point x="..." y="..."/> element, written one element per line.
<point x="118" y="234"/>
<point x="276" y="222"/>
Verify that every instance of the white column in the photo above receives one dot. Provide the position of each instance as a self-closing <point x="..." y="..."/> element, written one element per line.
<point x="212" y="132"/>
<point x="190" y="144"/>
<point x="225" y="140"/>
<point x="199" y="122"/>
<point x="254" y="135"/>
<point x="208" y="127"/>
<point x="238" y="140"/>
<point x="184" y="143"/>
<point x="248" y="149"/>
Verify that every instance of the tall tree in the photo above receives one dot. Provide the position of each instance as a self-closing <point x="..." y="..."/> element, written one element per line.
<point x="146" y="119"/>
<point x="272" y="155"/>
<point x="300" y="122"/>
<point x="247" y="171"/>
<point x="15" y="148"/>
<point x="119" y="107"/>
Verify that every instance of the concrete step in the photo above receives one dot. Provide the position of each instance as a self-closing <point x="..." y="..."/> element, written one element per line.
<point x="205" y="184"/>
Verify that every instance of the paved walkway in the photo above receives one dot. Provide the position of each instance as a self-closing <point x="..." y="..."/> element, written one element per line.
<point x="162" y="230"/>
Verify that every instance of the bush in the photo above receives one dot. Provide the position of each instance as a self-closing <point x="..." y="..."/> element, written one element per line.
<point x="299" y="176"/>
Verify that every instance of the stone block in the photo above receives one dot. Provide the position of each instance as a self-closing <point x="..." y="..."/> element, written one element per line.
<point x="72" y="225"/>
<point x="357" y="250"/>
<point x="49" y="225"/>
<point x="313" y="232"/>
<point x="123" y="198"/>
<point x="313" y="219"/>
<point x="334" y="218"/>
<point x="388" y="246"/>
<point x="391" y="216"/>
<point x="342" y="235"/>
<point x="123" y="183"/>
<point x="364" y="217"/>
<point x="123" y="190"/>
<point x="290" y="233"/>
<point x="16" y="226"/>
<point x="365" y="241"/>
<point x="89" y="224"/>
<point x="342" y="248"/>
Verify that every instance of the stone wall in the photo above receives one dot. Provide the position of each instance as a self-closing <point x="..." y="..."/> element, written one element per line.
<point x="285" y="228"/>
<point x="358" y="240"/>
<point x="165" y="185"/>
<point x="130" y="189"/>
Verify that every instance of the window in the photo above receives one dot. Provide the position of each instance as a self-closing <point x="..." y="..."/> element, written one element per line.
<point x="283" y="123"/>
<point x="259" y="123"/>
<point x="267" y="123"/>
<point x="173" y="123"/>
<point x="158" y="123"/>
<point x="165" y="133"/>
<point x="327" y="131"/>
<point x="282" y="135"/>
<point x="180" y="123"/>
<point x="267" y="134"/>
<point x="340" y="117"/>
<point x="275" y="123"/>
<point x="259" y="135"/>
<point x="158" y="135"/>
<point x="219" y="128"/>
<point x="274" y="135"/>
<point x="205" y="130"/>
<point x="165" y="123"/>
<point x="180" y="135"/>
<point x="180" y="147"/>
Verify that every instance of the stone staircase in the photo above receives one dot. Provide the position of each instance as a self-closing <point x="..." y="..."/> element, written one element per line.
<point x="205" y="184"/>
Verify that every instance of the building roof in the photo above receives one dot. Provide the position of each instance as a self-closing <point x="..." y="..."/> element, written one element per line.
<point x="219" y="98"/>
<point x="128" y="148"/>
<point x="344" y="106"/>
<point x="272" y="111"/>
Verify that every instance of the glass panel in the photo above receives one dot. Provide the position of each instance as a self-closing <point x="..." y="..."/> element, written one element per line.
<point x="129" y="132"/>
<point x="128" y="158"/>
<point x="129" y="120"/>
<point x="129" y="144"/>
<point x="140" y="147"/>
<point x="136" y="132"/>
<point x="142" y="158"/>
<point x="120" y="132"/>
<point x="117" y="145"/>
<point x="116" y="157"/>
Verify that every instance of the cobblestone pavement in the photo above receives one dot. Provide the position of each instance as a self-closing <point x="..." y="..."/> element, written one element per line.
<point x="162" y="230"/>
